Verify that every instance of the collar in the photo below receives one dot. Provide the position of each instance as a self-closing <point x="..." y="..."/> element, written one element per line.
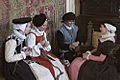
<point x="67" y="27"/>
<point x="37" y="31"/>
<point x="107" y="36"/>
<point x="19" y="36"/>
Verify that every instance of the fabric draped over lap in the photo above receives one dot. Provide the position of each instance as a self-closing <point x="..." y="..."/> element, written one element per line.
<point x="44" y="73"/>
<point x="74" y="68"/>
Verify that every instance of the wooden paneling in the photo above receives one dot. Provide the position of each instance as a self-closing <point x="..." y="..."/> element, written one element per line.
<point x="98" y="11"/>
<point x="100" y="7"/>
<point x="82" y="21"/>
<point x="77" y="7"/>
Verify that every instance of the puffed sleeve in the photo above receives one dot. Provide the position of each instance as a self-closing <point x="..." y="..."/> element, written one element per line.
<point x="10" y="49"/>
<point x="31" y="40"/>
<point x="31" y="43"/>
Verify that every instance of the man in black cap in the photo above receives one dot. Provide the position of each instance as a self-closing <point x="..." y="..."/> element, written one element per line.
<point x="51" y="67"/>
<point x="15" y="67"/>
<point x="66" y="37"/>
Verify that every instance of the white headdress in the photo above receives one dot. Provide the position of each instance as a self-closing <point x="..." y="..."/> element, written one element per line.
<point x="109" y="35"/>
<point x="110" y="27"/>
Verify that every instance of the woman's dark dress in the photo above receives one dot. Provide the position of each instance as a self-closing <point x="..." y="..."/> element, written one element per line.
<point x="18" y="70"/>
<point x="94" y="70"/>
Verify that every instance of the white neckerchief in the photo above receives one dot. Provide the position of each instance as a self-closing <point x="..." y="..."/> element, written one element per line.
<point x="67" y="27"/>
<point x="107" y="36"/>
<point x="37" y="31"/>
<point x="20" y="36"/>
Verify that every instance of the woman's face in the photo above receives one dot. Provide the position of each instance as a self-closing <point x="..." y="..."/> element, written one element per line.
<point x="44" y="26"/>
<point x="103" y="29"/>
<point x="28" y="28"/>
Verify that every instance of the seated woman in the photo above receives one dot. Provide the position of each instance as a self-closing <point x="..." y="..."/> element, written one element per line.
<point x="15" y="67"/>
<point x="67" y="37"/>
<point x="41" y="54"/>
<point x="97" y="64"/>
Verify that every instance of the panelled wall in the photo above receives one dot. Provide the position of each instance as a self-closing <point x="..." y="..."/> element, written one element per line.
<point x="97" y="11"/>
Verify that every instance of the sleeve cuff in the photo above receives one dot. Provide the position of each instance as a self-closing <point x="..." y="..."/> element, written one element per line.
<point x="48" y="48"/>
<point x="88" y="52"/>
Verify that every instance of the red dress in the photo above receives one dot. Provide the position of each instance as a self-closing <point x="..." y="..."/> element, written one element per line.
<point x="42" y="60"/>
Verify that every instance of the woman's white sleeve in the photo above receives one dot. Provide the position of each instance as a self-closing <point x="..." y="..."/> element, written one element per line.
<point x="31" y="43"/>
<point x="10" y="49"/>
<point x="47" y="48"/>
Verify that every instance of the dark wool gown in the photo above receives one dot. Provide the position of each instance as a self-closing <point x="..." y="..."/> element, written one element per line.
<point x="94" y="70"/>
<point x="18" y="70"/>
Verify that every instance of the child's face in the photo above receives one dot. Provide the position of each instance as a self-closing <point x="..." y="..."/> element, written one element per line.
<point x="44" y="26"/>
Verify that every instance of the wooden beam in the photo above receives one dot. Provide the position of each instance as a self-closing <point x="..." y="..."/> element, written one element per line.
<point x="77" y="7"/>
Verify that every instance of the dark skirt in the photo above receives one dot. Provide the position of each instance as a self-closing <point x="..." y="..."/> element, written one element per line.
<point x="91" y="70"/>
<point x="18" y="71"/>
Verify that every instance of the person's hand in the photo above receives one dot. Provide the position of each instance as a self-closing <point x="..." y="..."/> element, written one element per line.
<point x="71" y="46"/>
<point x="26" y="49"/>
<point x="74" y="44"/>
<point x="46" y="44"/>
<point x="27" y="52"/>
<point x="85" y="55"/>
<point x="42" y="42"/>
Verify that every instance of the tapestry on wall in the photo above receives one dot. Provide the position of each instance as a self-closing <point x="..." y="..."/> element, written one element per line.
<point x="10" y="9"/>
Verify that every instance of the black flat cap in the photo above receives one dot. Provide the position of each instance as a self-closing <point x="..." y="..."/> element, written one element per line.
<point x="21" y="20"/>
<point x="68" y="16"/>
<point x="38" y="20"/>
